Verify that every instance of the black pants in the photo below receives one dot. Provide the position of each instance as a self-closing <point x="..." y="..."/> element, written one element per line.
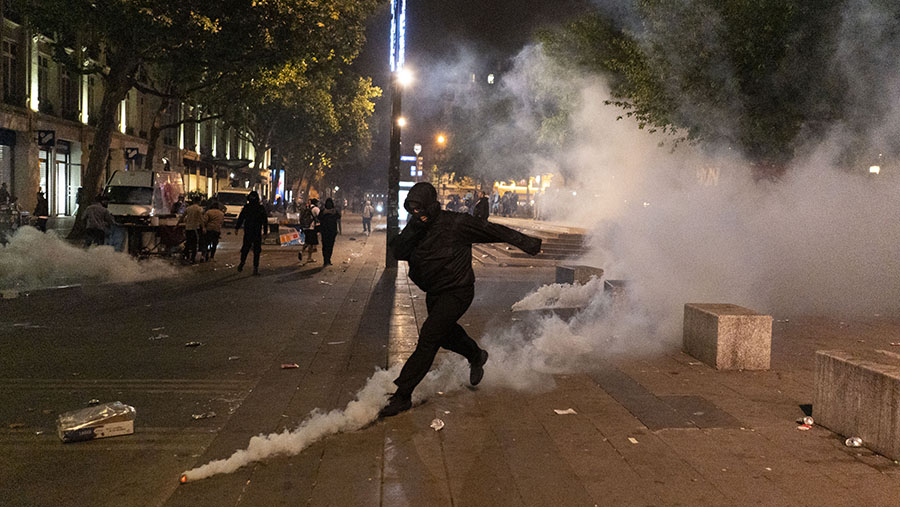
<point x="212" y="242"/>
<point x="327" y="246"/>
<point x="439" y="330"/>
<point x="251" y="242"/>
<point x="367" y="224"/>
<point x="191" y="240"/>
<point x="94" y="236"/>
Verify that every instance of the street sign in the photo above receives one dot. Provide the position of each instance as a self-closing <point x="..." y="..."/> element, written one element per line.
<point x="408" y="158"/>
<point x="419" y="164"/>
<point x="46" y="138"/>
<point x="131" y="153"/>
<point x="417" y="148"/>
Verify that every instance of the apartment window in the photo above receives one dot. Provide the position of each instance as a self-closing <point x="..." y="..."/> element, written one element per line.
<point x="8" y="66"/>
<point x="69" y="95"/>
<point x="92" y="113"/>
<point x="43" y="84"/>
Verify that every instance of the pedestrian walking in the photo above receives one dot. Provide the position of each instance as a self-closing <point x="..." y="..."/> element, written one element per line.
<point x="213" y="220"/>
<point x="482" y="208"/>
<point x="438" y="247"/>
<point x="309" y="219"/>
<point x="193" y="228"/>
<point x="42" y="212"/>
<point x="367" y="213"/>
<point x="329" y="219"/>
<point x="255" y="221"/>
<point x="97" y="222"/>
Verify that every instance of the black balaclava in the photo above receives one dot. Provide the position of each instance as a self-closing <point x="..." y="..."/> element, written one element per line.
<point x="253" y="197"/>
<point x="424" y="197"/>
<point x="329" y="203"/>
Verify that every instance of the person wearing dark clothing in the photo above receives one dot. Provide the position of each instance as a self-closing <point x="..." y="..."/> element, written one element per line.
<point x="329" y="219"/>
<point x="482" y="208"/>
<point x="256" y="222"/>
<point x="437" y="245"/>
<point x="4" y="194"/>
<point x="97" y="222"/>
<point x="42" y="212"/>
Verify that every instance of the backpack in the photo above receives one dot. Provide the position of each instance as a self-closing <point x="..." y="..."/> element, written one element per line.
<point x="307" y="219"/>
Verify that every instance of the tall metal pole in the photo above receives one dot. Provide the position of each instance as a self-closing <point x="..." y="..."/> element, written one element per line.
<point x="393" y="199"/>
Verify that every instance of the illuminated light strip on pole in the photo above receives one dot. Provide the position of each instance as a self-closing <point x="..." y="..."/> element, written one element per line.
<point x="398" y="34"/>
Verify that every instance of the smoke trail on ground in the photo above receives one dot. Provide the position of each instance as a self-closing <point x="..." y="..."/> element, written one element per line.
<point x="33" y="260"/>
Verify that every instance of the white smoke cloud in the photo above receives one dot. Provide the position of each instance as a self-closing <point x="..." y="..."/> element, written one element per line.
<point x="33" y="260"/>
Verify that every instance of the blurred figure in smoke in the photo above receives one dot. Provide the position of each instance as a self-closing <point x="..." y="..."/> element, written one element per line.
<point x="438" y="247"/>
<point x="482" y="207"/>
<point x="329" y="219"/>
<point x="367" y="213"/>
<point x="97" y="221"/>
<point x="42" y="212"/>
<point x="255" y="221"/>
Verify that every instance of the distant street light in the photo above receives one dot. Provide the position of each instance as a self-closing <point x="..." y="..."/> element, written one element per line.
<point x="401" y="122"/>
<point x="441" y="139"/>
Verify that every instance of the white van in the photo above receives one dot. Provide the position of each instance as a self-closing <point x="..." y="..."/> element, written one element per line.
<point x="233" y="199"/>
<point x="143" y="194"/>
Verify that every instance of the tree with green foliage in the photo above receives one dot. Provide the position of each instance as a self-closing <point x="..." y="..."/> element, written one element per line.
<point x="756" y="76"/>
<point x="213" y="39"/>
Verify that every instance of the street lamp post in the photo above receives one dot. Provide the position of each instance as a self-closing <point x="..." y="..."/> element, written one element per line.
<point x="399" y="78"/>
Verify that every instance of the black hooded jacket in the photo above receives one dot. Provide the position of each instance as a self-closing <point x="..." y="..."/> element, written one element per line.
<point x="439" y="251"/>
<point x="254" y="219"/>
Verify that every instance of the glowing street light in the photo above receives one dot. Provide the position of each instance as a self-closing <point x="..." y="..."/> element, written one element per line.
<point x="401" y="122"/>
<point x="875" y="169"/>
<point x="441" y="139"/>
<point x="405" y="77"/>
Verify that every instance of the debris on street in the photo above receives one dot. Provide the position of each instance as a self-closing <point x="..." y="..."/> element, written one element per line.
<point x="205" y="415"/>
<point x="233" y="358"/>
<point x="804" y="427"/>
<point x="853" y="442"/>
<point x="193" y="344"/>
<point x="100" y="421"/>
<point x="437" y="424"/>
<point x="93" y="402"/>
<point x="160" y="336"/>
<point x="289" y="366"/>
<point x="568" y="411"/>
<point x="632" y="440"/>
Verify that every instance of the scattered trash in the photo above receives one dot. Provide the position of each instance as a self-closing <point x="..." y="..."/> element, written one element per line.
<point x="568" y="411"/>
<point x="193" y="344"/>
<point x="809" y="421"/>
<point x="158" y="328"/>
<point x="441" y="393"/>
<point x="354" y="300"/>
<point x="233" y="358"/>
<point x="101" y="421"/>
<point x="314" y="333"/>
<point x="160" y="336"/>
<point x="895" y="344"/>
<point x="768" y="469"/>
<point x="289" y="366"/>
<point x="446" y="412"/>
<point x="695" y="363"/>
<point x="15" y="426"/>
<point x="336" y="343"/>
<point x="207" y="415"/>
<point x="39" y="432"/>
<point x="414" y="296"/>
<point x="853" y="442"/>
<point x="46" y="412"/>
<point x="352" y="238"/>
<point x="804" y="427"/>
<point x="323" y="282"/>
<point x="437" y="424"/>
<point x="632" y="440"/>
<point x="483" y="256"/>
<point x="93" y="402"/>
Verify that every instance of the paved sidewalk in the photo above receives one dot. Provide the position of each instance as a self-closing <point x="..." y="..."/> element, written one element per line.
<point x="653" y="430"/>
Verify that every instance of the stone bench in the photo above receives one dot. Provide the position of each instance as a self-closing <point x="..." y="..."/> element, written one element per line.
<point x="576" y="274"/>
<point x="856" y="397"/>
<point x="727" y="337"/>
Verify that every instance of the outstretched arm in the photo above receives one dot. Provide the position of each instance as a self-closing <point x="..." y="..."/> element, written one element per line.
<point x="474" y="230"/>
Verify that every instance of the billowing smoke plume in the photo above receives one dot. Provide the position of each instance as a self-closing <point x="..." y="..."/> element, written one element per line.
<point x="33" y="259"/>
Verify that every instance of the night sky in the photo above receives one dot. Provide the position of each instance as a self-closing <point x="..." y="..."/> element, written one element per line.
<point x="495" y="30"/>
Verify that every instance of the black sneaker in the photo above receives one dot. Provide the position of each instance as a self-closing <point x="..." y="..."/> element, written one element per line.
<point x="240" y="267"/>
<point x="396" y="404"/>
<point x="476" y="368"/>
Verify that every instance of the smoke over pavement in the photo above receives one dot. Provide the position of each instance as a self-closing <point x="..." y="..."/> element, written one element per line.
<point x="33" y="260"/>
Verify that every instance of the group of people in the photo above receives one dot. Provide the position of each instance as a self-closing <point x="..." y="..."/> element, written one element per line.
<point x="479" y="209"/>
<point x="203" y="221"/>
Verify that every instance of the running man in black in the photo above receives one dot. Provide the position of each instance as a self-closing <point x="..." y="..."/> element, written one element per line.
<point x="437" y="244"/>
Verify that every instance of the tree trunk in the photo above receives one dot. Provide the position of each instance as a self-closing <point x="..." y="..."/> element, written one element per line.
<point x="155" y="132"/>
<point x="117" y="85"/>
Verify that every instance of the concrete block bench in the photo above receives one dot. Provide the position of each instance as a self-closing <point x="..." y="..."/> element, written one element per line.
<point x="727" y="337"/>
<point x="858" y="395"/>
<point x="576" y="274"/>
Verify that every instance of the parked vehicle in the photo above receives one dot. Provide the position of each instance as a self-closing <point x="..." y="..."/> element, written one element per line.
<point x="140" y="195"/>
<point x="233" y="199"/>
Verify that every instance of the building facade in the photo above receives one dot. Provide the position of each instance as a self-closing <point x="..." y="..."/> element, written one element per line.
<point x="48" y="116"/>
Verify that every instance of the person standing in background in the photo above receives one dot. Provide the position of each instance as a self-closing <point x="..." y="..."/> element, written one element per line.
<point x="255" y="221"/>
<point x="97" y="221"/>
<point x="193" y="228"/>
<point x="329" y="219"/>
<point x="367" y="213"/>
<point x="42" y="212"/>
<point x="213" y="220"/>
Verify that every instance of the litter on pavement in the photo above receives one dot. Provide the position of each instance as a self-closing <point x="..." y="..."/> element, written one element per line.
<point x="193" y="344"/>
<point x="568" y="411"/>
<point x="289" y="366"/>
<point x="100" y="421"/>
<point x="205" y="415"/>
<point x="437" y="424"/>
<point x="853" y="442"/>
